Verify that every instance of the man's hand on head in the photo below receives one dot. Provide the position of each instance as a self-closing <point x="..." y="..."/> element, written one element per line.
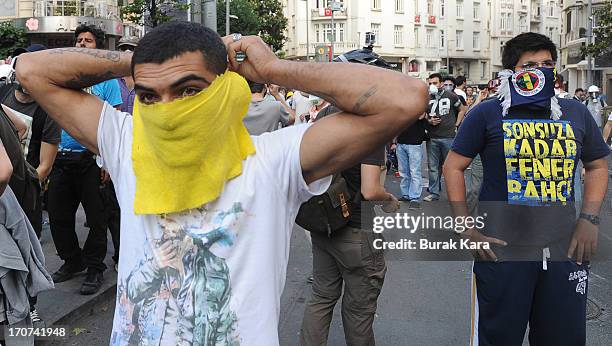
<point x="259" y="57"/>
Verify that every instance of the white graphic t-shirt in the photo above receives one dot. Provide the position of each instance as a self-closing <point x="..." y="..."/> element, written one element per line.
<point x="213" y="275"/>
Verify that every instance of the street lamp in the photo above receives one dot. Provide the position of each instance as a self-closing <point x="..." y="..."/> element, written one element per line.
<point x="307" y="30"/>
<point x="227" y="17"/>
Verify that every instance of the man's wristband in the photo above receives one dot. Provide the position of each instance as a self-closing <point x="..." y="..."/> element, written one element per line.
<point x="594" y="219"/>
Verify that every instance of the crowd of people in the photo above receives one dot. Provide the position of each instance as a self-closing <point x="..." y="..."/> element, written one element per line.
<point x="208" y="160"/>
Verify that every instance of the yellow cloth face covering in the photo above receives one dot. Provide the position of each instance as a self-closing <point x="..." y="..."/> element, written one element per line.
<point x="185" y="151"/>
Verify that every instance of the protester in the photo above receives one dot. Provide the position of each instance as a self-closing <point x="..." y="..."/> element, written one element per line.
<point x="560" y="88"/>
<point x="608" y="128"/>
<point x="460" y="88"/>
<point x="318" y="104"/>
<point x="207" y="250"/>
<point x="301" y="105"/>
<point x="579" y="95"/>
<point x="126" y="83"/>
<point x="264" y="115"/>
<point x="409" y="157"/>
<point x="596" y="105"/>
<point x="347" y="257"/>
<point x="526" y="278"/>
<point x="470" y="96"/>
<point x="77" y="179"/>
<point x="444" y="115"/>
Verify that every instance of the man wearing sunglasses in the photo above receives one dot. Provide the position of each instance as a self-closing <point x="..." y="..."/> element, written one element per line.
<point x="536" y="272"/>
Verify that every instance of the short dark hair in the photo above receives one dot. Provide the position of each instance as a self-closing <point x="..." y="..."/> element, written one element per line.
<point x="450" y="78"/>
<point x="578" y="90"/>
<point x="526" y="42"/>
<point x="460" y="80"/>
<point x="256" y="87"/>
<point x="94" y="30"/>
<point x="172" y="39"/>
<point x="435" y="75"/>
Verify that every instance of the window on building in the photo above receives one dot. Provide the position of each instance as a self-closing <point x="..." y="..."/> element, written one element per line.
<point x="442" y="8"/>
<point x="398" y="35"/>
<point x="430" y="38"/>
<point x="399" y="6"/>
<point x="327" y="32"/>
<point x="459" y="9"/>
<point x="476" y="40"/>
<point x="376" y="30"/>
<point x="325" y="3"/>
<point x="483" y="69"/>
<point x="551" y="8"/>
<point x="459" y="39"/>
<point x="442" y="39"/>
<point x="466" y="69"/>
<point x="568" y="22"/>
<point x="430" y="66"/>
<point x="523" y="24"/>
<point x="551" y="32"/>
<point x="318" y="32"/>
<point x="506" y="21"/>
<point x="376" y="4"/>
<point x="430" y="5"/>
<point x="417" y="42"/>
<point x="339" y="32"/>
<point x="476" y="10"/>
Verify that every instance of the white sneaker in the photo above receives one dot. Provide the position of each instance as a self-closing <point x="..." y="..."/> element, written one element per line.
<point x="431" y="198"/>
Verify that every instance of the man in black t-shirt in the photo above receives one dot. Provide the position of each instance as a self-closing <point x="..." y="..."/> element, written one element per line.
<point x="444" y="114"/>
<point x="409" y="158"/>
<point x="348" y="256"/>
<point x="44" y="134"/>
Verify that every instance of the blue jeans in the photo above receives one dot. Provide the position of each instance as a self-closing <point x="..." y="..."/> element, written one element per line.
<point x="437" y="150"/>
<point x="409" y="158"/>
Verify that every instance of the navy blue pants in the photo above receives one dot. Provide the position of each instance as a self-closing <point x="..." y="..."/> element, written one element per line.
<point x="506" y="296"/>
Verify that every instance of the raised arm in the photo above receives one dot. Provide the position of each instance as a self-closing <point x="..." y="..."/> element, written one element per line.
<point x="377" y="104"/>
<point x="55" y="79"/>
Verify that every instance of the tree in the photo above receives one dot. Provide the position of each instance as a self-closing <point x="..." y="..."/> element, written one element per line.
<point x="602" y="32"/>
<point x="11" y="37"/>
<point x="152" y="13"/>
<point x="248" y="23"/>
<point x="273" y="23"/>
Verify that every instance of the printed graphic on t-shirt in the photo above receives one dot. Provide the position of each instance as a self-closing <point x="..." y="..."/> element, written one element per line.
<point x="540" y="158"/>
<point x="439" y="107"/>
<point x="179" y="293"/>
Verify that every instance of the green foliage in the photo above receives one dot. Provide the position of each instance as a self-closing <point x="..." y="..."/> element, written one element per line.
<point x="159" y="11"/>
<point x="11" y="37"/>
<point x="248" y="23"/>
<point x="602" y="32"/>
<point x="273" y="22"/>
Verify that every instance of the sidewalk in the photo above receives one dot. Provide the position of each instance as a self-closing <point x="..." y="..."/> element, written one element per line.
<point x="65" y="302"/>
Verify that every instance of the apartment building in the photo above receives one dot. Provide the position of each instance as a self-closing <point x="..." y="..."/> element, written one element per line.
<point x="52" y="22"/>
<point x="574" y="64"/>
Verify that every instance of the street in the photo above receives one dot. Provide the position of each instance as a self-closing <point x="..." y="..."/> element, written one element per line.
<point x="422" y="303"/>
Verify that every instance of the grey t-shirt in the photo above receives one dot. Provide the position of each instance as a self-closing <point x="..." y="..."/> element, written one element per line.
<point x="264" y="116"/>
<point x="446" y="106"/>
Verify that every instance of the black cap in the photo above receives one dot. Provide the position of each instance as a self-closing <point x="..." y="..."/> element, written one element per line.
<point x="32" y="48"/>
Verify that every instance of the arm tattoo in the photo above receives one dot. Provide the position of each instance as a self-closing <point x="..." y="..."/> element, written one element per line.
<point x="96" y="53"/>
<point x="84" y="80"/>
<point x="363" y="99"/>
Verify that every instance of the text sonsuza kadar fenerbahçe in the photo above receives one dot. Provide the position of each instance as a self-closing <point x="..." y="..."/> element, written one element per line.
<point x="540" y="157"/>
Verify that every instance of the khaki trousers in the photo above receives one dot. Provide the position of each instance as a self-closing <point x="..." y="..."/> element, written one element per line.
<point x="347" y="258"/>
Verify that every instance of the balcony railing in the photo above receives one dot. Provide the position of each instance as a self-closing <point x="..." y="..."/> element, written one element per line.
<point x="84" y="8"/>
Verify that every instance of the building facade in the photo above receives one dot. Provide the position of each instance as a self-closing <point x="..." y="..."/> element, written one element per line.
<point x="574" y="64"/>
<point x="461" y="37"/>
<point x="52" y="22"/>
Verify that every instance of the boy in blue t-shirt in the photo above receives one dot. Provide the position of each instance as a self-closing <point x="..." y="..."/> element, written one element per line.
<point x="530" y="142"/>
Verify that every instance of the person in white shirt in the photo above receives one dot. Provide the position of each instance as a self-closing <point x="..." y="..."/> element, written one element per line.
<point x="209" y="209"/>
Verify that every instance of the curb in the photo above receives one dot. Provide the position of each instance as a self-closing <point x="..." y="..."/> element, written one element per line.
<point x="86" y="308"/>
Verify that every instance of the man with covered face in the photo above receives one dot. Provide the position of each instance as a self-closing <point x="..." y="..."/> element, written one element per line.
<point x="207" y="209"/>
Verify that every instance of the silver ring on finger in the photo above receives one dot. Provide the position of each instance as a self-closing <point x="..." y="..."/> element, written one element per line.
<point x="236" y="37"/>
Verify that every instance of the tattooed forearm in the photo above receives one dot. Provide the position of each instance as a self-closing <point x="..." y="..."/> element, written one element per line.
<point x="96" y="53"/>
<point x="363" y="99"/>
<point x="84" y="80"/>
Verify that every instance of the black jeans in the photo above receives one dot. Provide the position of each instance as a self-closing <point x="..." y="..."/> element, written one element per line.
<point x="75" y="180"/>
<point x="113" y="214"/>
